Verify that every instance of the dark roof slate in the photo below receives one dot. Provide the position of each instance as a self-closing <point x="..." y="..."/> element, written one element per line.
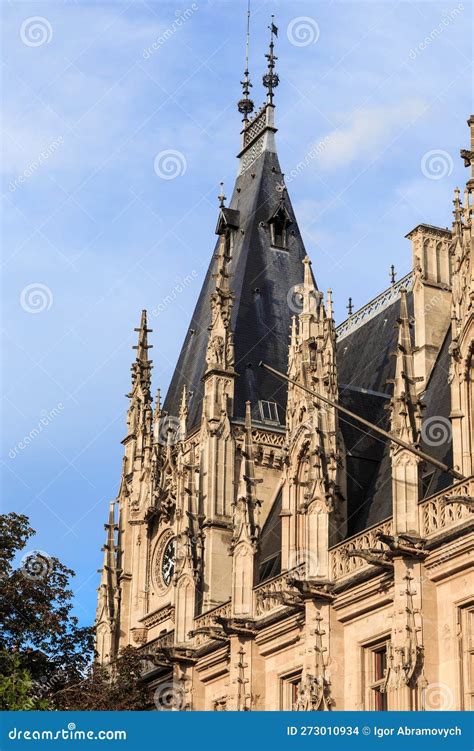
<point x="261" y="278"/>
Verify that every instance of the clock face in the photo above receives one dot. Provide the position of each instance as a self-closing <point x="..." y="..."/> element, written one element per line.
<point x="168" y="562"/>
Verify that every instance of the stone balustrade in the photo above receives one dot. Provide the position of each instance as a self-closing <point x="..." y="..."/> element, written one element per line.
<point x="439" y="513"/>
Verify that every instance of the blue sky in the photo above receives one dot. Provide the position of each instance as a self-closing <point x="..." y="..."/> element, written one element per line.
<point x="92" y="233"/>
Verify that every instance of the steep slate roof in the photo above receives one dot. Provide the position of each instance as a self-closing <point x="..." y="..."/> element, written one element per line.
<point x="261" y="278"/>
<point x="437" y="399"/>
<point x="365" y="363"/>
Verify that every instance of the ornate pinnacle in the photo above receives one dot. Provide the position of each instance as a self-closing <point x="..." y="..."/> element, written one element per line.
<point x="271" y="79"/>
<point x="406" y="407"/>
<point x="393" y="274"/>
<point x="245" y="105"/>
<point x="141" y="368"/>
<point x="142" y="347"/>
<point x="329" y="305"/>
<point x="222" y="197"/>
<point x="467" y="155"/>
<point x="350" y="307"/>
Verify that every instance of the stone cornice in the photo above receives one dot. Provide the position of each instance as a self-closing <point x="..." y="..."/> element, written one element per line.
<point x="158" y="616"/>
<point x="429" y="229"/>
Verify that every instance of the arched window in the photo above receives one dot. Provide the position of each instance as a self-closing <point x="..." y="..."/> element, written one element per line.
<point x="279" y="223"/>
<point x="426" y="259"/>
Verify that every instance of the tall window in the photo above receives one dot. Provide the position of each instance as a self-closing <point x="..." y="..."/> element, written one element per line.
<point x="466" y="648"/>
<point x="376" y="664"/>
<point x="426" y="259"/>
<point x="269" y="411"/>
<point x="439" y="262"/>
<point x="278" y="234"/>
<point x="279" y="223"/>
<point x="379" y="657"/>
<point x="289" y="691"/>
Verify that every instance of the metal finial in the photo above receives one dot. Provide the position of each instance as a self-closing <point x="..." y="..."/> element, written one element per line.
<point x="222" y="197"/>
<point x="350" y="306"/>
<point x="271" y="79"/>
<point x="393" y="274"/>
<point x="245" y="105"/>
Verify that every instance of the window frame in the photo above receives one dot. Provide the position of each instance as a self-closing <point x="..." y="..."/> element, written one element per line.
<point x="273" y="420"/>
<point x="374" y="679"/>
<point x="465" y="624"/>
<point x="289" y="685"/>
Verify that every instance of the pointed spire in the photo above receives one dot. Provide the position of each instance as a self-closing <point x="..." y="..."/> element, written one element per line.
<point x="220" y="347"/>
<point x="141" y="368"/>
<point x="293" y="336"/>
<point x="406" y="407"/>
<point x="271" y="79"/>
<point x="311" y="295"/>
<point x="245" y="105"/>
<point x="109" y="568"/>
<point x="468" y="154"/>
<point x="222" y="197"/>
<point x="183" y="414"/>
<point x="329" y="305"/>
<point x="308" y="279"/>
<point x="246" y="504"/>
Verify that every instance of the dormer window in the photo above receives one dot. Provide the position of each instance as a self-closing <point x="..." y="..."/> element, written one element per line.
<point x="269" y="412"/>
<point x="279" y="223"/>
<point x="278" y="231"/>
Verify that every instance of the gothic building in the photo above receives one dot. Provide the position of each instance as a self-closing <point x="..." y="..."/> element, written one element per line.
<point x="266" y="549"/>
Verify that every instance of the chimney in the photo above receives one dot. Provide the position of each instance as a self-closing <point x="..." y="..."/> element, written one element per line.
<point x="431" y="295"/>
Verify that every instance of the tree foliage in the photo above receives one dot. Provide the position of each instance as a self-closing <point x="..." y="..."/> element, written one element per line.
<point x="36" y="620"/>
<point x="118" y="687"/>
<point x="46" y="657"/>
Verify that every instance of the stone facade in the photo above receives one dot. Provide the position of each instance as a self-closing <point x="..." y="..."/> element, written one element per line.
<point x="232" y="557"/>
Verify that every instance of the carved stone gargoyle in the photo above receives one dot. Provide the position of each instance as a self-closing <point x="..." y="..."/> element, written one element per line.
<point x="375" y="556"/>
<point x="166" y="656"/>
<point x="465" y="500"/>
<point x="411" y="546"/>
<point x="286" y="597"/>
<point x="313" y="589"/>
<point x="212" y="632"/>
<point x="240" y="626"/>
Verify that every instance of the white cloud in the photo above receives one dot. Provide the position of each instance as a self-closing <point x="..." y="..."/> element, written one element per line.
<point x="367" y="133"/>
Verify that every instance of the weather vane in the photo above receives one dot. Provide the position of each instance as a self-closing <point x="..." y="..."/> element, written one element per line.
<point x="245" y="105"/>
<point x="271" y="79"/>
